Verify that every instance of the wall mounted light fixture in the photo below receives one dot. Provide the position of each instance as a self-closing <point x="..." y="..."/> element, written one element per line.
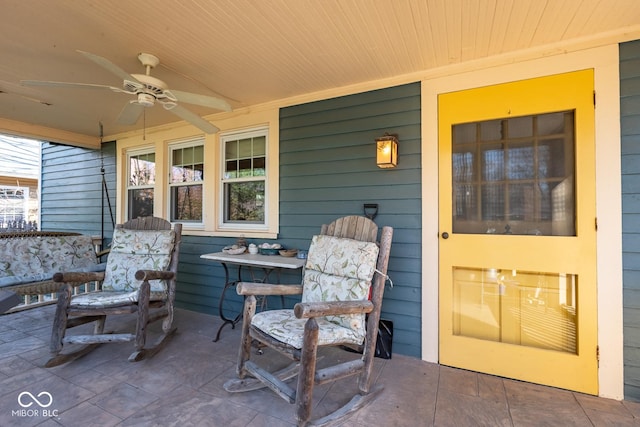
<point x="387" y="151"/>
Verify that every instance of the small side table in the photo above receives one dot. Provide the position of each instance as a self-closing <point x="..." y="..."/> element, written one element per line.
<point x="267" y="263"/>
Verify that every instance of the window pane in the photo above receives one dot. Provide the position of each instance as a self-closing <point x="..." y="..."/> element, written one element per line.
<point x="140" y="202"/>
<point x="525" y="308"/>
<point x="491" y="130"/>
<point x="259" y="166"/>
<point x="463" y="166"/>
<point x="493" y="164"/>
<point x="244" y="168"/>
<point x="244" y="201"/>
<point x="464" y="133"/>
<point x="520" y="127"/>
<point x="231" y="150"/>
<point x="231" y="169"/>
<point x="521" y="161"/>
<point x="550" y="124"/>
<point x="142" y="170"/>
<point x="186" y="203"/>
<point x="259" y="146"/>
<point x="524" y="183"/>
<point x="244" y="148"/>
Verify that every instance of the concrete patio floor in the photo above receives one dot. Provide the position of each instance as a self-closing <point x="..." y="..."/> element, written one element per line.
<point x="182" y="386"/>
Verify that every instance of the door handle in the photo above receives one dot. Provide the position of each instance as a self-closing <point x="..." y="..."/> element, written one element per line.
<point x="445" y="235"/>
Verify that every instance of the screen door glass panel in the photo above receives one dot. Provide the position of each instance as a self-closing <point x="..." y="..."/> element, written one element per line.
<point x="515" y="176"/>
<point x="516" y="307"/>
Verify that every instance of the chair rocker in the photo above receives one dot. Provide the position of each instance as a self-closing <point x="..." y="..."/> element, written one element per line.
<point x="140" y="279"/>
<point x="342" y="262"/>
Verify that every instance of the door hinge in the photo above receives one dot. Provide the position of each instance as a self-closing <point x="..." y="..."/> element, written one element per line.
<point x="594" y="98"/>
<point x="596" y="223"/>
<point x="598" y="353"/>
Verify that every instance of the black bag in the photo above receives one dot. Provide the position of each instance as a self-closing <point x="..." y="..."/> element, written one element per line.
<point x="383" y="342"/>
<point x="385" y="339"/>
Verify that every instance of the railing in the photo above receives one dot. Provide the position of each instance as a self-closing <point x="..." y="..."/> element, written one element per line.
<point x="18" y="225"/>
<point x="36" y="300"/>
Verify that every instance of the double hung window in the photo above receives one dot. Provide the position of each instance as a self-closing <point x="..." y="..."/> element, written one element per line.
<point x="244" y="180"/>
<point x="141" y="179"/>
<point x="185" y="183"/>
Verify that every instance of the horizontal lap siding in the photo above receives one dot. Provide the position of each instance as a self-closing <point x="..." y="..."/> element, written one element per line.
<point x="72" y="189"/>
<point x="630" y="129"/>
<point x="328" y="170"/>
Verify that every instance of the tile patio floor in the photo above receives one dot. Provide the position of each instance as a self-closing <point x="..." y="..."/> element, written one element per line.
<point x="182" y="386"/>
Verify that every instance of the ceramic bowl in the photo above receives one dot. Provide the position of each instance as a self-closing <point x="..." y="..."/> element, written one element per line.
<point x="288" y="252"/>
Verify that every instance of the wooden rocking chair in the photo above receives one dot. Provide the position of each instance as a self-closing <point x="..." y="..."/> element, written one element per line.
<point x="140" y="278"/>
<point x="342" y="262"/>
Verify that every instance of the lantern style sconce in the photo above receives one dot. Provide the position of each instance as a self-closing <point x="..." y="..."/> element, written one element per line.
<point x="387" y="151"/>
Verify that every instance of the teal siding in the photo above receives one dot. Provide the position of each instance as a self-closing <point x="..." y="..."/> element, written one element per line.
<point x="630" y="129"/>
<point x="328" y="170"/>
<point x="72" y="189"/>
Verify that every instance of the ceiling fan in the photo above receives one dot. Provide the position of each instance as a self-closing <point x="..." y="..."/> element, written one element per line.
<point x="147" y="91"/>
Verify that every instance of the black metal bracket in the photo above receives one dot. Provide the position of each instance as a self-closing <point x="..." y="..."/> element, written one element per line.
<point x="370" y="210"/>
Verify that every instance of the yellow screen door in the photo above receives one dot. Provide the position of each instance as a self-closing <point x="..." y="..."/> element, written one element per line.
<point x="517" y="231"/>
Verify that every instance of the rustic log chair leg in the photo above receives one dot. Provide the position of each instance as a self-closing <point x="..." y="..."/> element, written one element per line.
<point x="98" y="328"/>
<point x="364" y="379"/>
<point x="143" y="320"/>
<point x="167" y="323"/>
<point x="60" y="322"/>
<point x="306" y="377"/>
<point x="245" y="341"/>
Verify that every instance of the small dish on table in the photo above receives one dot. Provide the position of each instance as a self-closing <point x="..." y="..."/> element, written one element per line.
<point x="288" y="252"/>
<point x="234" y="250"/>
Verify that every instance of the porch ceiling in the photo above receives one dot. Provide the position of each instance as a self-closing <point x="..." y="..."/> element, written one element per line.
<point x="252" y="51"/>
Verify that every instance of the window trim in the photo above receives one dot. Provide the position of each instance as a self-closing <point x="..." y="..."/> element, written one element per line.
<point x="136" y="151"/>
<point x="267" y="117"/>
<point x="220" y="217"/>
<point x="186" y="143"/>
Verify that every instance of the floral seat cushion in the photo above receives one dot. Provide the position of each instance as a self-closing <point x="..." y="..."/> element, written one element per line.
<point x="337" y="269"/>
<point x="131" y="250"/>
<point x="111" y="298"/>
<point x="286" y="328"/>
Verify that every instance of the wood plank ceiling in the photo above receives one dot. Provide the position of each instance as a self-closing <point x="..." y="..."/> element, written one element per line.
<point x="255" y="51"/>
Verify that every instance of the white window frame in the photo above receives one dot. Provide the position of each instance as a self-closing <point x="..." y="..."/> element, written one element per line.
<point x="134" y="153"/>
<point x="262" y="131"/>
<point x="173" y="146"/>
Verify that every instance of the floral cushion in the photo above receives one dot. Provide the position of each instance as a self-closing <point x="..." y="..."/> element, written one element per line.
<point x="111" y="298"/>
<point x="133" y="250"/>
<point x="339" y="269"/>
<point x="285" y="327"/>
<point x="33" y="259"/>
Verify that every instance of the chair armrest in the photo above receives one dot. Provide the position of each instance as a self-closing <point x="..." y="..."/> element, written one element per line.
<point x="102" y="253"/>
<point x="331" y="308"/>
<point x="154" y="275"/>
<point x="78" y="277"/>
<point x="252" y="288"/>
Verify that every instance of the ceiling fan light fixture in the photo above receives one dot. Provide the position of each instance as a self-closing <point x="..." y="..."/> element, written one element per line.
<point x="146" y="100"/>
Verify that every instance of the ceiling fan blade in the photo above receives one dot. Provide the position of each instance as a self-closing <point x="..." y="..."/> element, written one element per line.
<point x="204" y="100"/>
<point x="67" y="84"/>
<point x="109" y="66"/>
<point x="194" y="119"/>
<point x="130" y="113"/>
